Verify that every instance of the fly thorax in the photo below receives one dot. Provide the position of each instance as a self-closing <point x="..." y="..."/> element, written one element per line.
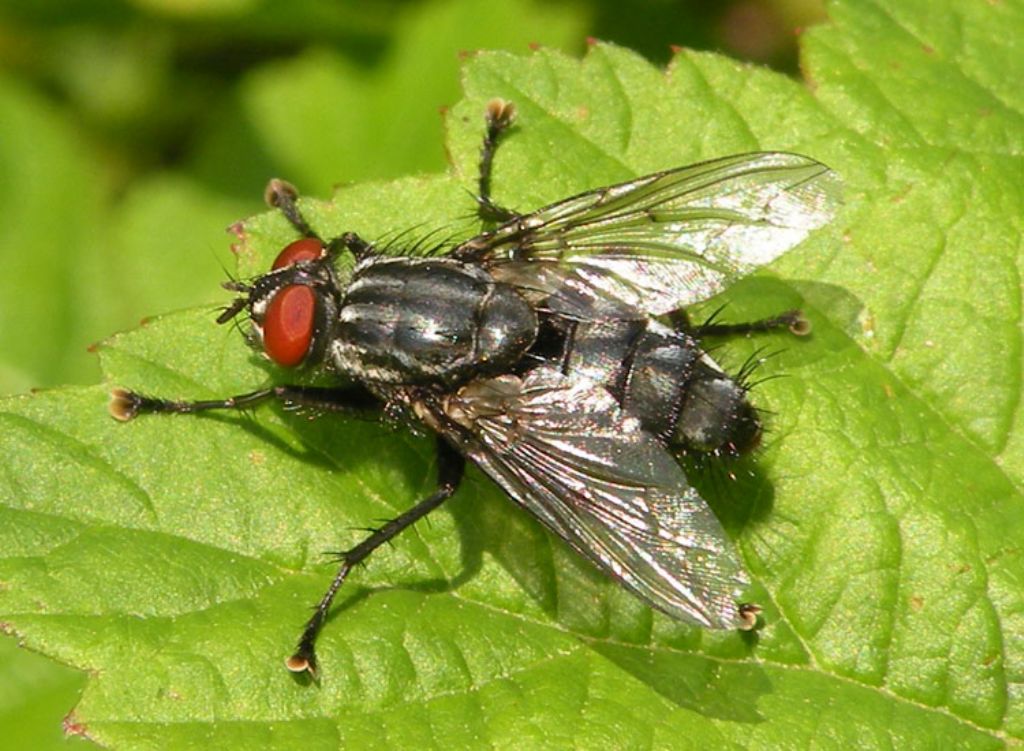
<point x="409" y="321"/>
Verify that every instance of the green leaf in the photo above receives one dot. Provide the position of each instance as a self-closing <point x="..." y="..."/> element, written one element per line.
<point x="174" y="558"/>
<point x="39" y="159"/>
<point x="326" y="119"/>
<point x="35" y="693"/>
<point x="95" y="270"/>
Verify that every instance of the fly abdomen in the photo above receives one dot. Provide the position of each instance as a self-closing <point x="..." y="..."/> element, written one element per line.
<point x="660" y="373"/>
<point x="603" y="351"/>
<point x="664" y="378"/>
<point x="715" y="415"/>
<point x="411" y="321"/>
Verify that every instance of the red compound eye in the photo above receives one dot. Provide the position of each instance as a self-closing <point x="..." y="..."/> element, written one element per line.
<point x="306" y="249"/>
<point x="288" y="325"/>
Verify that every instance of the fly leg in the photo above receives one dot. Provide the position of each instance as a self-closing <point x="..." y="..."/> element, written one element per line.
<point x="126" y="405"/>
<point x="282" y="195"/>
<point x="499" y="117"/>
<point x="793" y="320"/>
<point x="450" y="467"/>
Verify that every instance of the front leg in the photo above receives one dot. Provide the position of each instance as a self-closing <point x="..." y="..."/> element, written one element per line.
<point x="282" y="195"/>
<point x="126" y="405"/>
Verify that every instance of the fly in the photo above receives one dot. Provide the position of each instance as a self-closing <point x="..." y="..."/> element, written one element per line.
<point x="554" y="353"/>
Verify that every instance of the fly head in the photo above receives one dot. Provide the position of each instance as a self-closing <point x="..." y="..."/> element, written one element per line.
<point x="293" y="306"/>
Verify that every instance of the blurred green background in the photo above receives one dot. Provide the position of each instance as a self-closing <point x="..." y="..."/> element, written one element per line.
<point x="133" y="133"/>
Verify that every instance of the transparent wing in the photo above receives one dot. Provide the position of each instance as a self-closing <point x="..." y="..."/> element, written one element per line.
<point x="565" y="450"/>
<point x="664" y="241"/>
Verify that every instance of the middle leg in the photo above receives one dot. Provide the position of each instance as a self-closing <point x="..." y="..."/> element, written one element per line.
<point x="500" y="115"/>
<point x="450" y="468"/>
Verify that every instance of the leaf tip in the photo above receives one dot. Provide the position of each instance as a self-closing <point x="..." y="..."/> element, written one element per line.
<point x="71" y="726"/>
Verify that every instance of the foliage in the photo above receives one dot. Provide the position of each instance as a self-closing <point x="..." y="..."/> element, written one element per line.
<point x="880" y="522"/>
